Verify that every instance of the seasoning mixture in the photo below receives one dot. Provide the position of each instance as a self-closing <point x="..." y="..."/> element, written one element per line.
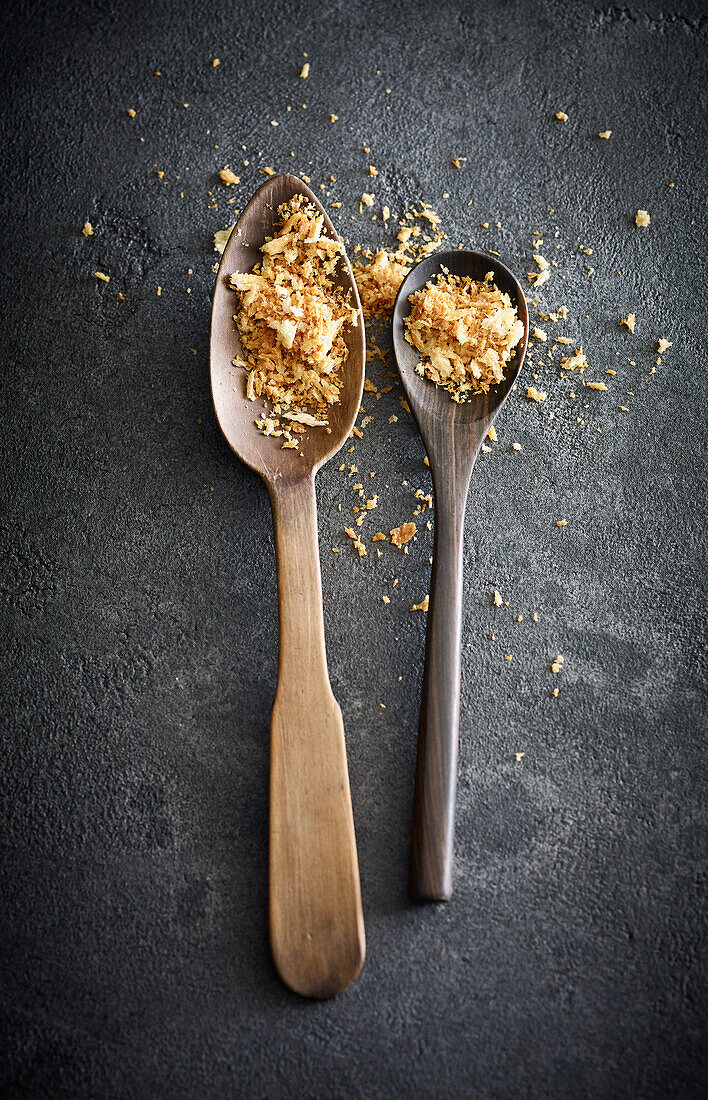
<point x="465" y="331"/>
<point x="291" y="323"/>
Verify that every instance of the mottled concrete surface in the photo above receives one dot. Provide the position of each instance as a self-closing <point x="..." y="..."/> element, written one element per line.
<point x="139" y="606"/>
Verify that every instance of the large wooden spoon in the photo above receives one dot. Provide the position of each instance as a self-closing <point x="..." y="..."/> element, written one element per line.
<point x="315" y="913"/>
<point x="453" y="434"/>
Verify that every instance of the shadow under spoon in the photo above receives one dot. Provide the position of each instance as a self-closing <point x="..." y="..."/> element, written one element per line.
<point x="453" y="434"/>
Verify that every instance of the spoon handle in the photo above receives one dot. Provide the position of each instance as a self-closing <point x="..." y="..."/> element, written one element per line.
<point x="436" y="766"/>
<point x="316" y="920"/>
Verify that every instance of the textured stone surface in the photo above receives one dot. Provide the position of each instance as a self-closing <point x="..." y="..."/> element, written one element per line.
<point x="139" y="606"/>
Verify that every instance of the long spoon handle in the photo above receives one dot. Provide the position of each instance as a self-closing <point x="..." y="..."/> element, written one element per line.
<point x="436" y="768"/>
<point x="316" y="920"/>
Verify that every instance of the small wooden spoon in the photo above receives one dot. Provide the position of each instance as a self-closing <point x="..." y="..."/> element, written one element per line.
<point x="316" y="921"/>
<point x="453" y="435"/>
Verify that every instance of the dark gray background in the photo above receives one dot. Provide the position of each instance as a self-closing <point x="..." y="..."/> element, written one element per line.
<point x="139" y="606"/>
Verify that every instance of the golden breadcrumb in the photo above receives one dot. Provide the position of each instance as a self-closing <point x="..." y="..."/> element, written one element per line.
<point x="102" y="277"/>
<point x="404" y="533"/>
<point x="215" y="63"/>
<point x="379" y="281"/>
<point x="629" y="321"/>
<point x="466" y="332"/>
<point x="664" y="345"/>
<point x="606" y="134"/>
<point x="561" y="116"/>
<point x="642" y="218"/>
<point x="575" y="362"/>
<point x="87" y="230"/>
<point x="596" y="386"/>
<point x="535" y="395"/>
<point x="305" y="71"/>
<point x="497" y="600"/>
<point x="227" y="176"/>
<point x="561" y="523"/>
<point x="291" y="320"/>
<point x="423" y="605"/>
<point x="221" y="237"/>
<point x="131" y="112"/>
<point x="558" y="663"/>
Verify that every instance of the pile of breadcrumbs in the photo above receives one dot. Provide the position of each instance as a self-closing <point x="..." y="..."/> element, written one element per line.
<point x="380" y="278"/>
<point x="465" y="331"/>
<point x="291" y="323"/>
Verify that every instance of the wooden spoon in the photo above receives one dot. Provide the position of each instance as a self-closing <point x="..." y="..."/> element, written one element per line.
<point x="315" y="913"/>
<point x="453" y="435"/>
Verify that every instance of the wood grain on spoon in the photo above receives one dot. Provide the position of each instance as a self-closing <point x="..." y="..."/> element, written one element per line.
<point x="453" y="434"/>
<point x="316" y="920"/>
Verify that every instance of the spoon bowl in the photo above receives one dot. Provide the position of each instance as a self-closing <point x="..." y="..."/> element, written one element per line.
<point x="432" y="406"/>
<point x="315" y="912"/>
<point x="235" y="413"/>
<point x="453" y="434"/>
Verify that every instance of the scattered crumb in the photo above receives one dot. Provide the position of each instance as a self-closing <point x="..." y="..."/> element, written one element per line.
<point x="519" y="755"/>
<point x="642" y="218"/>
<point x="561" y="116"/>
<point x="131" y="112"/>
<point x="87" y="229"/>
<point x="221" y="237"/>
<point x="305" y="71"/>
<point x="367" y="199"/>
<point x="606" y="134"/>
<point x="386" y="599"/>
<point x="554" y="693"/>
<point x="558" y="663"/>
<point x="596" y="386"/>
<point x="664" y="345"/>
<point x="403" y="534"/>
<point x="358" y="544"/>
<point x="540" y="334"/>
<point x="492" y="433"/>
<point x="561" y="523"/>
<point x="629" y="321"/>
<point x="334" y="118"/>
<point x="516" y="446"/>
<point x="423" y="605"/>
<point x="227" y="176"/>
<point x="535" y="395"/>
<point x="102" y="277"/>
<point x="215" y="63"/>
<point x="497" y="600"/>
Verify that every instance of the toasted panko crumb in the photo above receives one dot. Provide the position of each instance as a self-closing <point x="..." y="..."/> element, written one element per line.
<point x="536" y="395"/>
<point x="292" y="316"/>
<point x="385" y="599"/>
<point x="540" y="334"/>
<point x="378" y="537"/>
<point x="561" y="523"/>
<point x="305" y="71"/>
<point x="575" y="362"/>
<point x="334" y="118"/>
<point x="227" y="176"/>
<point x="558" y="663"/>
<point x="102" y="277"/>
<point x="664" y="345"/>
<point x="642" y="218"/>
<point x="87" y="229"/>
<point x="267" y="171"/>
<point x="596" y="385"/>
<point x="492" y="434"/>
<point x="404" y="533"/>
<point x="423" y="605"/>
<point x="358" y="544"/>
<point x="466" y="332"/>
<point x="367" y="199"/>
<point x="221" y="237"/>
<point x="561" y="116"/>
<point x="215" y="63"/>
<point x="131" y="112"/>
<point x="497" y="598"/>
<point x="606" y="134"/>
<point x="629" y="321"/>
<point x="379" y="281"/>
